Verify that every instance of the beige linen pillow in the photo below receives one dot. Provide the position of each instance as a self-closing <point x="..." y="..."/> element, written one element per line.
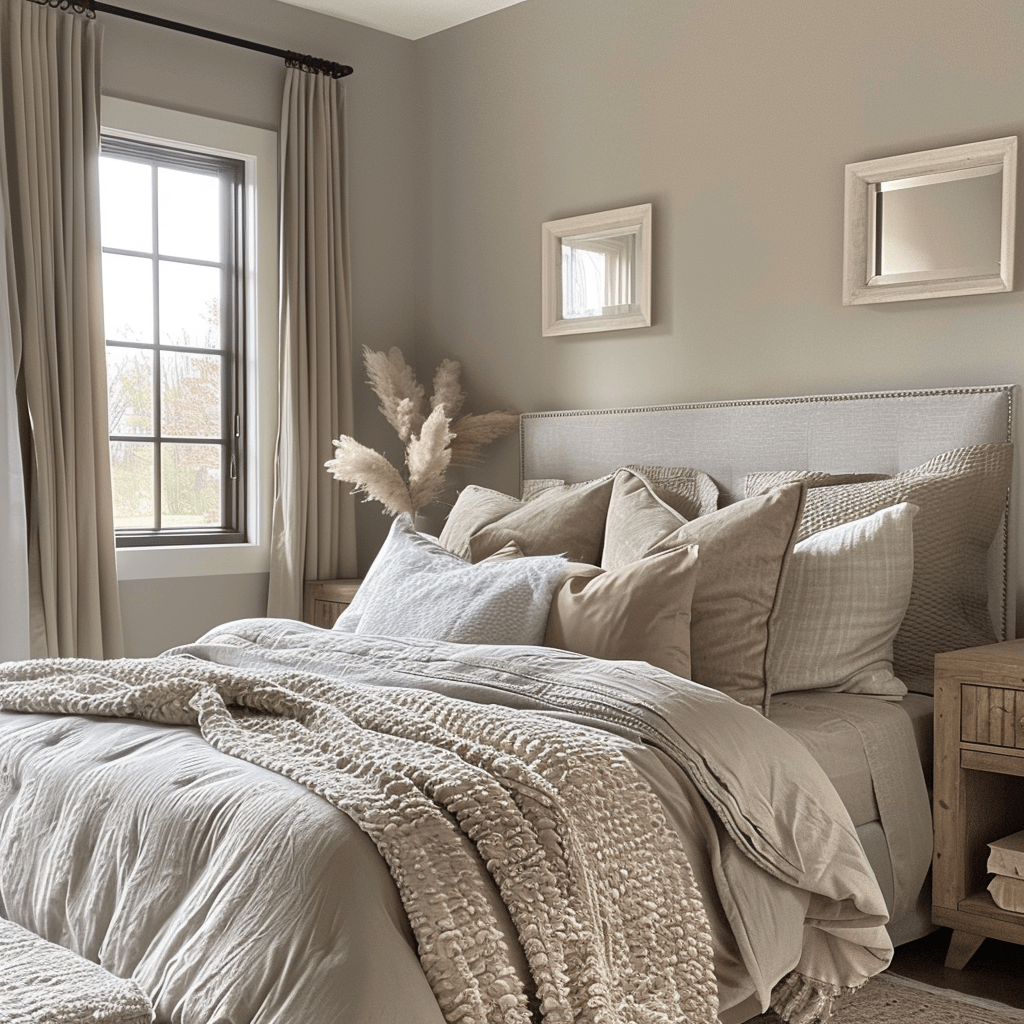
<point x="637" y="519"/>
<point x="561" y="521"/>
<point x="961" y="495"/>
<point x="844" y="596"/>
<point x="475" y="508"/>
<point x="638" y="612"/>
<point x="690" y="492"/>
<point x="743" y="552"/>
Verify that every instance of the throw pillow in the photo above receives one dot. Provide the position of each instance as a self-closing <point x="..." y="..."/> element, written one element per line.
<point x="743" y="552"/>
<point x="690" y="492"/>
<point x="638" y="612"/>
<point x="961" y="495"/>
<point x="561" y="520"/>
<point x="416" y="588"/>
<point x="844" y="596"/>
<point x="637" y="519"/>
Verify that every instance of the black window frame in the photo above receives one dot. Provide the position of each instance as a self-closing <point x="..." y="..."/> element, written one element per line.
<point x="230" y="171"/>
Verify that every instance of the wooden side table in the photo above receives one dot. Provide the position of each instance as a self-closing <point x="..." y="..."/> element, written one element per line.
<point x="979" y="788"/>
<point x="325" y="600"/>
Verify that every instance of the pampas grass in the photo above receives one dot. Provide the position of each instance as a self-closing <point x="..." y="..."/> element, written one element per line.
<point x="432" y="440"/>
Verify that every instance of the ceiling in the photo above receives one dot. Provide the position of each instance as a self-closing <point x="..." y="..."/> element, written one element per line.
<point x="412" y="19"/>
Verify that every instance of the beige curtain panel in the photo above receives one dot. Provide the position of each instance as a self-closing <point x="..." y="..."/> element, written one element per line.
<point x="49" y="186"/>
<point x="313" y="533"/>
<point x="14" y="616"/>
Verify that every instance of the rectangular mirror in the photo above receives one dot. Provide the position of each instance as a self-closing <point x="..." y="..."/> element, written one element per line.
<point x="597" y="272"/>
<point x="930" y="224"/>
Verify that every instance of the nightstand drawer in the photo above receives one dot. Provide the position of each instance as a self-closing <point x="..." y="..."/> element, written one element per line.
<point x="325" y="600"/>
<point x="992" y="715"/>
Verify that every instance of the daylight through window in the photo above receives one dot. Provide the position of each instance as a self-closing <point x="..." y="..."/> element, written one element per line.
<point x="172" y="298"/>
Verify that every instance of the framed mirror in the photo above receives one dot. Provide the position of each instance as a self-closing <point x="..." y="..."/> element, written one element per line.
<point x="597" y="272"/>
<point x="929" y="224"/>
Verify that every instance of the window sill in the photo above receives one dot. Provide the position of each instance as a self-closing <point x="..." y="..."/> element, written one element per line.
<point x="149" y="563"/>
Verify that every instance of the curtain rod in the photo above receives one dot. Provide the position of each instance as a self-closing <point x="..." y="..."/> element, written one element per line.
<point x="296" y="60"/>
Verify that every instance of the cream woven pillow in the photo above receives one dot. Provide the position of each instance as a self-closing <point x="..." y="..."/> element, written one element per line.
<point x="961" y="495"/>
<point x="844" y="596"/>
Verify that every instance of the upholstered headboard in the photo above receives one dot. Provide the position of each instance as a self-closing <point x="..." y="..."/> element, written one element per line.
<point x="882" y="432"/>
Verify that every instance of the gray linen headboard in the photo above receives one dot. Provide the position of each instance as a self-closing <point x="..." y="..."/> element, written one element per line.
<point x="881" y="432"/>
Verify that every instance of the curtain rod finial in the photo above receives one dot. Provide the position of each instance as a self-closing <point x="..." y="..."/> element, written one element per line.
<point x="316" y="65"/>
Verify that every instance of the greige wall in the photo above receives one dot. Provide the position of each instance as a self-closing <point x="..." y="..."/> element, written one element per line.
<point x="735" y="119"/>
<point x="165" y="68"/>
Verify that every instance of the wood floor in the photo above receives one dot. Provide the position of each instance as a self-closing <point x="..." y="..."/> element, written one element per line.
<point x="996" y="971"/>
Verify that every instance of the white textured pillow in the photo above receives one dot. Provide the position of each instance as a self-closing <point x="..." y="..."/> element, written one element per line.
<point x="416" y="588"/>
<point x="843" y="598"/>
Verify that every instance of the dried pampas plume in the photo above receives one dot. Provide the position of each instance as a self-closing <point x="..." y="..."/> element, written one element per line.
<point x="432" y="440"/>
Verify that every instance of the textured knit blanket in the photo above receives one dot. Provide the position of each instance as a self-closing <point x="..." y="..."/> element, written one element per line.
<point x="595" y="881"/>
<point x="41" y="983"/>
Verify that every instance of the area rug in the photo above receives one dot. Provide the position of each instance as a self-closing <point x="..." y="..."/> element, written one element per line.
<point x="889" y="999"/>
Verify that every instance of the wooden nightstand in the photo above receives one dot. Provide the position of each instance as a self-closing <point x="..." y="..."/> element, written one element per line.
<point x="325" y="600"/>
<point x="979" y="788"/>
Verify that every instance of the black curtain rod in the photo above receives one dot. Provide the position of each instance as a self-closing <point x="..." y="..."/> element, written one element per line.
<point x="296" y="60"/>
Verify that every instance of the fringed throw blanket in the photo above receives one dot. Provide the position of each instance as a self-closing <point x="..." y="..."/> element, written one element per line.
<point x="596" y="884"/>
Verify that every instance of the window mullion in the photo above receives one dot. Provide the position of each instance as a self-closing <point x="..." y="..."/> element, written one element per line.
<point x="157" y="363"/>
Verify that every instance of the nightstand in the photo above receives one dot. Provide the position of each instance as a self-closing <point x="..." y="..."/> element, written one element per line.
<point x="325" y="600"/>
<point x="979" y="788"/>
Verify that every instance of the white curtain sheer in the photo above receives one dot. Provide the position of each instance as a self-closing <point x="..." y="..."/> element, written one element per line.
<point x="49" y="186"/>
<point x="313" y="534"/>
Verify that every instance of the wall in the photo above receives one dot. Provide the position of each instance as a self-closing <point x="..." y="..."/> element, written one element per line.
<point x="735" y="119"/>
<point x="165" y="68"/>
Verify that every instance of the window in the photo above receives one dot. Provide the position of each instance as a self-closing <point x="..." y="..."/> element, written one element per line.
<point x="173" y="224"/>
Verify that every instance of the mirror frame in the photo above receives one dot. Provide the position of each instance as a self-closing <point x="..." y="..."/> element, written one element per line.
<point x="858" y="285"/>
<point x="630" y="219"/>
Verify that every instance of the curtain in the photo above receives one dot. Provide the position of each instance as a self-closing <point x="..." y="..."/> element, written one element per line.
<point x="49" y="186"/>
<point x="313" y="531"/>
<point x="14" y="617"/>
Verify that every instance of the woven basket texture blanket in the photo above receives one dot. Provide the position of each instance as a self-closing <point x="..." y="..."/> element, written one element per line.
<point x="596" y="883"/>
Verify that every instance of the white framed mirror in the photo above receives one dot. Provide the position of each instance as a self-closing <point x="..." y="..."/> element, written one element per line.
<point x="597" y="272"/>
<point x="930" y="224"/>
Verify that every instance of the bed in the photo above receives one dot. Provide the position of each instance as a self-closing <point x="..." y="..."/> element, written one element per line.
<point x="560" y="801"/>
